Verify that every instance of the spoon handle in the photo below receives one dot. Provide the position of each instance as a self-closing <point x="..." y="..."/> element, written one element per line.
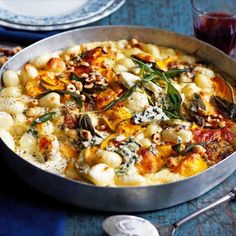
<point x="230" y="196"/>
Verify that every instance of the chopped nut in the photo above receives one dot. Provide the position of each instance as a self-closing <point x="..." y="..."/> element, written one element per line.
<point x="88" y="86"/>
<point x="82" y="97"/>
<point x="84" y="63"/>
<point x="91" y="79"/>
<point x="171" y="162"/>
<point x="71" y="88"/>
<point x="78" y="85"/>
<point x="84" y="75"/>
<point x="133" y="41"/>
<point x="101" y="127"/>
<point x="85" y="134"/>
<point x="156" y="138"/>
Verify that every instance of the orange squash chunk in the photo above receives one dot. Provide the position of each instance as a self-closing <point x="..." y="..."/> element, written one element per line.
<point x="191" y="165"/>
<point x="150" y="163"/>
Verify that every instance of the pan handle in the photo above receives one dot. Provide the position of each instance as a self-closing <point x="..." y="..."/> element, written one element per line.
<point x="230" y="196"/>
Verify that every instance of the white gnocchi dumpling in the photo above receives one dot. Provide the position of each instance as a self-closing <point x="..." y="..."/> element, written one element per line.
<point x="10" y="92"/>
<point x="6" y="120"/>
<point x="101" y="174"/>
<point x="126" y="62"/>
<point x="189" y="89"/>
<point x="130" y="179"/>
<point x="205" y="71"/>
<point x="152" y="49"/>
<point x="7" y="138"/>
<point x="137" y="102"/>
<point x="109" y="158"/>
<point x="50" y="100"/>
<point x="35" y="111"/>
<point x="10" y="78"/>
<point x="28" y="72"/>
<point x="73" y="50"/>
<point x="202" y="81"/>
<point x="128" y="79"/>
<point x="40" y="61"/>
<point x="120" y="68"/>
<point x="11" y="105"/>
<point x="176" y="136"/>
<point x="45" y="128"/>
<point x="28" y="143"/>
<point x="151" y="129"/>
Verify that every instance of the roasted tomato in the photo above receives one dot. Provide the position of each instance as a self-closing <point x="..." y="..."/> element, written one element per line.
<point x="209" y="135"/>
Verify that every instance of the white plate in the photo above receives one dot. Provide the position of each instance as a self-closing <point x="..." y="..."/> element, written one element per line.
<point x="50" y="12"/>
<point x="112" y="8"/>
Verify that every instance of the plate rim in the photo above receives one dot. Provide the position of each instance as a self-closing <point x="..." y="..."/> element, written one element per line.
<point x="113" y="8"/>
<point x="77" y="18"/>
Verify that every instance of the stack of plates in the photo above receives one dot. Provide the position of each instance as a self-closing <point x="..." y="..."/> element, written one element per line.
<point x="45" y="15"/>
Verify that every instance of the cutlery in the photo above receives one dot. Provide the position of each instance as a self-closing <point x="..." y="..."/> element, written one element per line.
<point x="126" y="225"/>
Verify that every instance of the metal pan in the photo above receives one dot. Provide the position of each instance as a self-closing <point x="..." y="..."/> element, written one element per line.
<point x="122" y="199"/>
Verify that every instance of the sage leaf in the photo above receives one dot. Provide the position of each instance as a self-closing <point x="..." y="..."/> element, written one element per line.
<point x="85" y="122"/>
<point x="225" y="107"/>
<point x="190" y="147"/>
<point x="75" y="96"/>
<point x="43" y="118"/>
<point x="122" y="98"/>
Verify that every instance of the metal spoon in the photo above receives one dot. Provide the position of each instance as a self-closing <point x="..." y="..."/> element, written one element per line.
<point x="126" y="225"/>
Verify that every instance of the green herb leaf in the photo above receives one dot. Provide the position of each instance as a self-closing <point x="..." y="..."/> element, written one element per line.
<point x="190" y="147"/>
<point x="75" y="96"/>
<point x="176" y="147"/>
<point x="75" y="77"/>
<point x="194" y="111"/>
<point x="122" y="98"/>
<point x="174" y="98"/>
<point x="172" y="115"/>
<point x="197" y="103"/>
<point x="85" y="122"/>
<point x="145" y="66"/>
<point x="175" y="72"/>
<point x="43" y="118"/>
<point x="224" y="106"/>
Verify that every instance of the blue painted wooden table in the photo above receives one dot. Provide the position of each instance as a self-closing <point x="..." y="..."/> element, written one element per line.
<point x="174" y="15"/>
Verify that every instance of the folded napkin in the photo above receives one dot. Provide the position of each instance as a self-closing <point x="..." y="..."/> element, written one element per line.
<point x="26" y="212"/>
<point x="23" y="37"/>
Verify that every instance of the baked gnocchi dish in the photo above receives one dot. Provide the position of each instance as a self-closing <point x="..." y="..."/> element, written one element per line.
<point x="122" y="113"/>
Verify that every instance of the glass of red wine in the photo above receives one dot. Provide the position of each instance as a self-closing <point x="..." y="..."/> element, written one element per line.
<point x="214" y="22"/>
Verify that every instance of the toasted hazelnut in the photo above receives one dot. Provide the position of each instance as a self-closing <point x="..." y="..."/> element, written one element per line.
<point x="156" y="138"/>
<point x="78" y="85"/>
<point x="82" y="97"/>
<point x="88" y="86"/>
<point x="84" y="63"/>
<point x="171" y="162"/>
<point x="85" y="134"/>
<point x="71" y="88"/>
<point x="84" y="75"/>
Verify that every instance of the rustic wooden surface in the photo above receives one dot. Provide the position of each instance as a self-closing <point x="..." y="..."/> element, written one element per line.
<point x="172" y="15"/>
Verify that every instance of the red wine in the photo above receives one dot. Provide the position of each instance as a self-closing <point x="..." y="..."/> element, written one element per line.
<point x="218" y="29"/>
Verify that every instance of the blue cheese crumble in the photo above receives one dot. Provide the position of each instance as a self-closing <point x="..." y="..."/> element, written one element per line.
<point x="152" y="113"/>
